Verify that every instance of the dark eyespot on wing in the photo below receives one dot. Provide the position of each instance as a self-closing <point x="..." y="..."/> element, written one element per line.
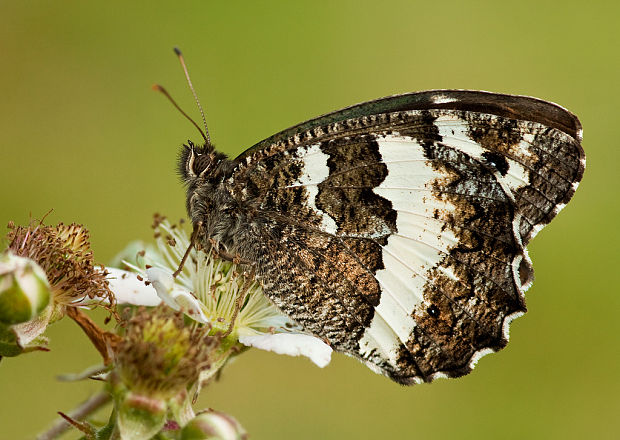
<point x="497" y="160"/>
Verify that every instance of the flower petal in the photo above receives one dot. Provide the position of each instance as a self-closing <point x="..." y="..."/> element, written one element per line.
<point x="189" y="304"/>
<point x="292" y="344"/>
<point x="163" y="282"/>
<point x="177" y="299"/>
<point x="128" y="289"/>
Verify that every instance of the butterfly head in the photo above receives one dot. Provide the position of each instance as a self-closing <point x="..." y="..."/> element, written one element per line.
<point x="198" y="163"/>
<point x="203" y="170"/>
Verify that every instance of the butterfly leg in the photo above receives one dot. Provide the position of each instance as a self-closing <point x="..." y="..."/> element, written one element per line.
<point x="247" y="282"/>
<point x="192" y="243"/>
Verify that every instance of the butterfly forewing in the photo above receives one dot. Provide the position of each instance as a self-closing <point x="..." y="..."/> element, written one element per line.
<point x="399" y="237"/>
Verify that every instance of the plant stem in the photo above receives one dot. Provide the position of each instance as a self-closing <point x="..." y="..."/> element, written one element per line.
<point x="79" y="413"/>
<point x="102" y="340"/>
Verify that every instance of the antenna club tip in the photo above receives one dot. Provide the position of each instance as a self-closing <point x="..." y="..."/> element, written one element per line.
<point x="156" y="87"/>
<point x="177" y="51"/>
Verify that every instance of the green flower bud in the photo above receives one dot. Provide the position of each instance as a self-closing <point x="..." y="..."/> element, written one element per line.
<point x="139" y="416"/>
<point x="213" y="425"/>
<point x="24" y="289"/>
<point x="9" y="343"/>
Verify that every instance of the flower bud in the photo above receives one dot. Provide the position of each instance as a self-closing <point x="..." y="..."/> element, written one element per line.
<point x="213" y="425"/>
<point x="24" y="289"/>
<point x="139" y="416"/>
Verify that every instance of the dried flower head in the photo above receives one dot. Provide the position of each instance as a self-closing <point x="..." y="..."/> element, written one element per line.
<point x="63" y="252"/>
<point x="158" y="360"/>
<point x="160" y="355"/>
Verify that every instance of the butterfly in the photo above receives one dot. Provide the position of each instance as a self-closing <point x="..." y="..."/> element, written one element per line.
<point x="395" y="230"/>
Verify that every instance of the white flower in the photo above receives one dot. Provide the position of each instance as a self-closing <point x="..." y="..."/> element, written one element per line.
<point x="207" y="291"/>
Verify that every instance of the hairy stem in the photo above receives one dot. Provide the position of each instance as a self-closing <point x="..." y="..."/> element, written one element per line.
<point x="79" y="413"/>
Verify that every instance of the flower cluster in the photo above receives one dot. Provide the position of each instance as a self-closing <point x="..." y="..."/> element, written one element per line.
<point x="176" y="333"/>
<point x="44" y="271"/>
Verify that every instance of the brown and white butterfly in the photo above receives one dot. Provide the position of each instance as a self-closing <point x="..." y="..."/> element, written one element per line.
<point x="396" y="229"/>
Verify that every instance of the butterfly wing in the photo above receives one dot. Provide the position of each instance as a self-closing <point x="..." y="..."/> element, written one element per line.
<point x="396" y="230"/>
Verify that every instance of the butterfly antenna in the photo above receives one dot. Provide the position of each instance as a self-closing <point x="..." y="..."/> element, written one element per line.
<point x="160" y="89"/>
<point x="191" y="87"/>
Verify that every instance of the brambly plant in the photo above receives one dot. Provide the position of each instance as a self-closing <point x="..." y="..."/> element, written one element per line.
<point x="168" y="337"/>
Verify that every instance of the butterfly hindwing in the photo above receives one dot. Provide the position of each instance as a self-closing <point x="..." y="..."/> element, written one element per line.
<point x="399" y="237"/>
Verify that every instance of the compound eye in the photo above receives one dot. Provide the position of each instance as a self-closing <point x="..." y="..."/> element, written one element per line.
<point x="201" y="164"/>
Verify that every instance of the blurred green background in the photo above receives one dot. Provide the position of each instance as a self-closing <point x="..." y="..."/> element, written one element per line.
<point x="81" y="132"/>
